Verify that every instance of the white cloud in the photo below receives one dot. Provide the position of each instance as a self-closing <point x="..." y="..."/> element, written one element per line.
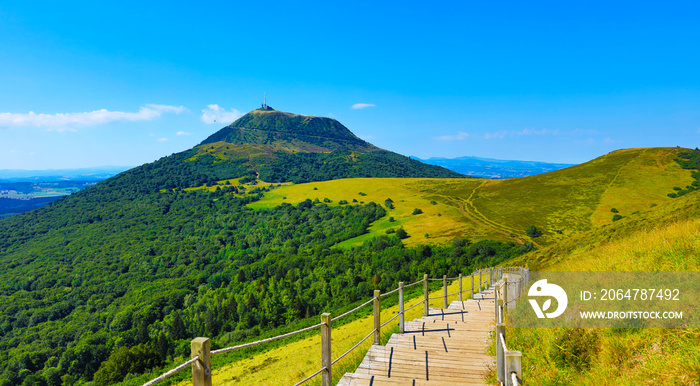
<point x="358" y="106"/>
<point x="183" y="133"/>
<point x="537" y="132"/>
<point x="162" y="139"/>
<point x="498" y="135"/>
<point x="458" y="137"/>
<point x="98" y="117"/>
<point x="215" y="114"/>
<point x="368" y="137"/>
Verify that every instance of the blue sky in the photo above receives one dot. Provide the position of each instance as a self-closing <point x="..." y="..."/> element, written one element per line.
<point x="123" y="83"/>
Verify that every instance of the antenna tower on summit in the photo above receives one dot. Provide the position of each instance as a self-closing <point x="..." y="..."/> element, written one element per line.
<point x="264" y="105"/>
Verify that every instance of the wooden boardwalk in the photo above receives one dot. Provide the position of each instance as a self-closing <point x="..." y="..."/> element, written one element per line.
<point x="446" y="348"/>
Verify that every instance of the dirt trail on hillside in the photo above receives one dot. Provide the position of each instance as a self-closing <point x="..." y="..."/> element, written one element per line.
<point x="471" y="218"/>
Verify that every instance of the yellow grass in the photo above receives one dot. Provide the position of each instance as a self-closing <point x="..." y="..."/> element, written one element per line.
<point x="645" y="180"/>
<point x="674" y="247"/>
<point x="561" y="203"/>
<point x="442" y="222"/>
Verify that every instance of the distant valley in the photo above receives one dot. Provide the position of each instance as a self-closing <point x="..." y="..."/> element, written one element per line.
<point x="493" y="168"/>
<point x="23" y="190"/>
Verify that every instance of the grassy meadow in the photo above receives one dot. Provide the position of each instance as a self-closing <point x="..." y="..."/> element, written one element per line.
<point x="561" y="203"/>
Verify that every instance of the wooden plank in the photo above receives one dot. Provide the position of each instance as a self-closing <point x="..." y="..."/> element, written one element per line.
<point x="446" y="348"/>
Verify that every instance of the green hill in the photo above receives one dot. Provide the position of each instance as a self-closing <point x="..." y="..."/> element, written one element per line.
<point x="282" y="147"/>
<point x="291" y="132"/>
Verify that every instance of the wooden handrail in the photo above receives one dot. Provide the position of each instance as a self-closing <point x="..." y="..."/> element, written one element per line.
<point x="201" y="356"/>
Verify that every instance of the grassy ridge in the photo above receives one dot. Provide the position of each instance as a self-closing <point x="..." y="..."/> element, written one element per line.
<point x="561" y="203"/>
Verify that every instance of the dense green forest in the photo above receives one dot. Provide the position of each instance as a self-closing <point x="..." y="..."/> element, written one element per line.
<point x="132" y="280"/>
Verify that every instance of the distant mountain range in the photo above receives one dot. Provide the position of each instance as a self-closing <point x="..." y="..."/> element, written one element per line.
<point x="493" y="168"/>
<point x="83" y="174"/>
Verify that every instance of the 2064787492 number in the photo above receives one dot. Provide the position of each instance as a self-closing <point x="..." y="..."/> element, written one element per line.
<point x="641" y="294"/>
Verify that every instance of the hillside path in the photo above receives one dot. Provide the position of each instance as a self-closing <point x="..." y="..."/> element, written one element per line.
<point x="449" y="347"/>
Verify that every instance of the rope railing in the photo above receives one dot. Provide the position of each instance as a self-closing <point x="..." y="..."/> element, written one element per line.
<point x="389" y="321"/>
<point x="389" y="293"/>
<point x="171" y="372"/>
<point x="412" y="284"/>
<point x="201" y="354"/>
<point x="310" y="376"/>
<point x="414" y="306"/>
<point x="274" y="338"/>
<point x="353" y="347"/>
<point x="353" y="310"/>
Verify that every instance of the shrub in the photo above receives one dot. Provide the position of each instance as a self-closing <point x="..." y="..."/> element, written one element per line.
<point x="401" y="233"/>
<point x="617" y="217"/>
<point x="433" y="202"/>
<point x="533" y="232"/>
<point x="343" y="202"/>
<point x="391" y="219"/>
<point x="417" y="211"/>
<point x="390" y="231"/>
<point x="576" y="348"/>
<point x="614" y="210"/>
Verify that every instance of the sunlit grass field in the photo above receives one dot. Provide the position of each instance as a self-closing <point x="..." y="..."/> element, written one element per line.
<point x="440" y="221"/>
<point x="560" y="203"/>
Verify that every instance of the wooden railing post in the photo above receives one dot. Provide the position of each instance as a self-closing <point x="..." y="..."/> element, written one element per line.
<point x="425" y="293"/>
<point x="481" y="280"/>
<point x="444" y="291"/>
<point x="500" y="354"/>
<point x="401" y="308"/>
<point x="377" y="318"/>
<point x="472" y="275"/>
<point x="460" y="287"/>
<point x="496" y="296"/>
<point x="505" y="293"/>
<point x="201" y="369"/>
<point x="326" y="362"/>
<point x="513" y="364"/>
